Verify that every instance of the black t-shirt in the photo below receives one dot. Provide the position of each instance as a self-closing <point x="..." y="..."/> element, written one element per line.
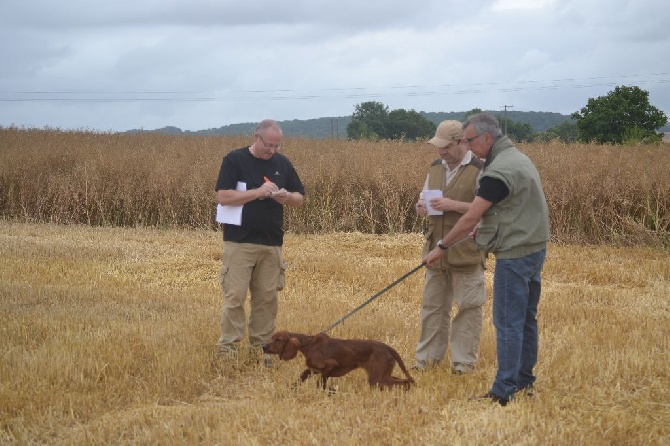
<point x="262" y="220"/>
<point x="492" y="189"/>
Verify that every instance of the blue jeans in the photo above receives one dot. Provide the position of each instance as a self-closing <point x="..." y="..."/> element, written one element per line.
<point x="516" y="294"/>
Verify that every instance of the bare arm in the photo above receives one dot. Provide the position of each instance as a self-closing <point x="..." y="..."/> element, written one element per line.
<point x="441" y="204"/>
<point x="462" y="229"/>
<point x="268" y="189"/>
<point x="447" y="204"/>
<point x="232" y="197"/>
<point x="293" y="199"/>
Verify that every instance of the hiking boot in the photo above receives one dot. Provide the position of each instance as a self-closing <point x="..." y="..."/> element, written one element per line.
<point x="462" y="369"/>
<point x="492" y="397"/>
<point x="227" y="352"/>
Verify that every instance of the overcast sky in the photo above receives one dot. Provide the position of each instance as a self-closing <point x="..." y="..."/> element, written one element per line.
<point x="199" y="64"/>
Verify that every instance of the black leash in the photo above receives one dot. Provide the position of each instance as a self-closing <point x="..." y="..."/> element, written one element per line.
<point x="340" y="320"/>
<point x="415" y="269"/>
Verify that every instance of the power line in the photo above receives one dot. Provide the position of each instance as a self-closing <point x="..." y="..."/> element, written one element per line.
<point x="291" y="95"/>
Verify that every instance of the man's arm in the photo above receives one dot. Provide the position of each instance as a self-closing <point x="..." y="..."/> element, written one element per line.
<point x="239" y="197"/>
<point x="293" y="199"/>
<point x="462" y="229"/>
<point x="447" y="204"/>
<point x="232" y="197"/>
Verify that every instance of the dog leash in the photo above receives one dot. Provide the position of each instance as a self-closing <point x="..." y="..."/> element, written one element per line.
<point x="388" y="287"/>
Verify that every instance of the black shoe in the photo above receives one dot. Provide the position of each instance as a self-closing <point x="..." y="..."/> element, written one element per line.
<point x="527" y="391"/>
<point x="494" y="398"/>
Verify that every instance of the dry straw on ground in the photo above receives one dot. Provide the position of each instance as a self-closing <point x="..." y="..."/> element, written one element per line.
<point x="108" y="338"/>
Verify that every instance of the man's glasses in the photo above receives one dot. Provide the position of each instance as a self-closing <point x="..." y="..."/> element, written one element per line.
<point x="269" y="146"/>
<point x="468" y="140"/>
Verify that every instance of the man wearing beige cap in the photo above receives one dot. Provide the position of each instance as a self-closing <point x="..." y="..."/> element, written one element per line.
<point x="459" y="274"/>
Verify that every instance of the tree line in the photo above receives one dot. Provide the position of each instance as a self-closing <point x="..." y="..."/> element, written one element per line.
<point x="623" y="116"/>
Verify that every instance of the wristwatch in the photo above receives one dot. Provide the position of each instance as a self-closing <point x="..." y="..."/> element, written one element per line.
<point x="441" y="245"/>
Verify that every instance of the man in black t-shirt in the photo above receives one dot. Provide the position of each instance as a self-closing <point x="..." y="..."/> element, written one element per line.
<point x="262" y="181"/>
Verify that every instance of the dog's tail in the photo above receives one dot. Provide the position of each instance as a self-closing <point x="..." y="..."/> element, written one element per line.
<point x="400" y="362"/>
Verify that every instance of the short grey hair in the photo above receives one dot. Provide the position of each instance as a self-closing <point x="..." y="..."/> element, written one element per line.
<point x="484" y="123"/>
<point x="265" y="125"/>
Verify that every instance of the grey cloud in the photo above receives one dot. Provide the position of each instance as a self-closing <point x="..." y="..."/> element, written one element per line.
<point x="207" y="63"/>
<point x="87" y="14"/>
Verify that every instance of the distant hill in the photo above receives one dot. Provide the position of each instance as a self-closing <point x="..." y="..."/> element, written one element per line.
<point x="319" y="128"/>
<point x="336" y="127"/>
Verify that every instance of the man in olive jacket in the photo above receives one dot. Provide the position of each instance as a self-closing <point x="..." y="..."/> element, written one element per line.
<point x="459" y="275"/>
<point x="513" y="217"/>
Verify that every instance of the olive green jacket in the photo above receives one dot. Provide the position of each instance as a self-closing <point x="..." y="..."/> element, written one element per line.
<point x="518" y="225"/>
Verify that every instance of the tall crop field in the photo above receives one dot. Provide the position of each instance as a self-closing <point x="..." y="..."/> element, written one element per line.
<point x="596" y="194"/>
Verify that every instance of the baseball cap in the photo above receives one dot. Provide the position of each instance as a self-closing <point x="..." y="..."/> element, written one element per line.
<point x="446" y="132"/>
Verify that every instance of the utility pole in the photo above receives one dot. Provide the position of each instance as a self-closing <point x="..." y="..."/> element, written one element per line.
<point x="505" y="117"/>
<point x="335" y="128"/>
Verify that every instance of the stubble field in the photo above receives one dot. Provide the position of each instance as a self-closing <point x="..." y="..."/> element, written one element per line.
<point x="108" y="338"/>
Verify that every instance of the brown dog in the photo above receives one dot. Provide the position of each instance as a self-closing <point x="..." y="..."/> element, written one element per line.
<point x="331" y="357"/>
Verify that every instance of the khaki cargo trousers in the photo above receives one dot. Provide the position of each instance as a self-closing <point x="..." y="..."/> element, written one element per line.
<point x="441" y="289"/>
<point x="259" y="269"/>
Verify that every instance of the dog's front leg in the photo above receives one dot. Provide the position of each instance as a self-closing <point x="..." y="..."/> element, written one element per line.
<point x="306" y="374"/>
<point x="303" y="377"/>
<point x="324" y="380"/>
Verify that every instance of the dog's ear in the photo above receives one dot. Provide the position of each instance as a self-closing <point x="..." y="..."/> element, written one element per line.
<point x="291" y="349"/>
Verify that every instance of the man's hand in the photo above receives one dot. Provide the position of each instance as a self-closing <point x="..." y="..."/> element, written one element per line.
<point x="433" y="256"/>
<point x="266" y="190"/>
<point x="421" y="208"/>
<point x="443" y="204"/>
<point x="281" y="196"/>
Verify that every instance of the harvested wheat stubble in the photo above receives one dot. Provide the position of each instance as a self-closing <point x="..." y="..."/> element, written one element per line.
<point x="108" y="337"/>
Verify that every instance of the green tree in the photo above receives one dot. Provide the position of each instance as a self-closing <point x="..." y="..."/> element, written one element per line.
<point x="517" y="131"/>
<point x="545" y="136"/>
<point x="368" y="121"/>
<point x="566" y="131"/>
<point x="357" y="129"/>
<point x="474" y="111"/>
<point x="403" y="124"/>
<point x="613" y="118"/>
<point x="372" y="120"/>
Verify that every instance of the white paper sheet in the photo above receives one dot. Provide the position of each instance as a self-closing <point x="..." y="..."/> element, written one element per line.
<point x="231" y="215"/>
<point x="429" y="194"/>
